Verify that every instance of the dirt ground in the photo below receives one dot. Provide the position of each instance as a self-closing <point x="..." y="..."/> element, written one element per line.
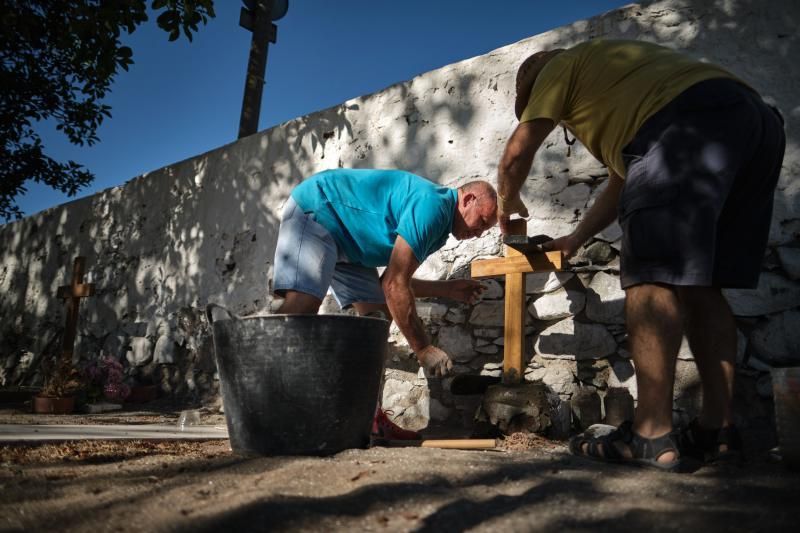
<point x="202" y="486"/>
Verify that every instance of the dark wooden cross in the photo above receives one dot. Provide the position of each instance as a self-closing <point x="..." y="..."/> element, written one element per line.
<point x="514" y="266"/>
<point x="72" y="294"/>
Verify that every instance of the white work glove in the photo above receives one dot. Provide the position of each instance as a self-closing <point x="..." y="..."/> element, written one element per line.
<point x="434" y="361"/>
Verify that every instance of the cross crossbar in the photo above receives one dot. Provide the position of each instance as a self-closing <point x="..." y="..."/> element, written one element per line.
<point x="514" y="266"/>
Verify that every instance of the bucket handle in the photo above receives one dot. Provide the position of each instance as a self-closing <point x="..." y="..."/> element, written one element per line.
<point x="210" y="312"/>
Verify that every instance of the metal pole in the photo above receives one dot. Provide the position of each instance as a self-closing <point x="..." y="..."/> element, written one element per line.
<point x="264" y="32"/>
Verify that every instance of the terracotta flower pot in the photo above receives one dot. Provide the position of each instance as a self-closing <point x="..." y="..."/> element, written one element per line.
<point x="53" y="406"/>
<point x="142" y="394"/>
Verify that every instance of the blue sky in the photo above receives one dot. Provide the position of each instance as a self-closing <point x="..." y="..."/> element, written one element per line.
<point x="179" y="99"/>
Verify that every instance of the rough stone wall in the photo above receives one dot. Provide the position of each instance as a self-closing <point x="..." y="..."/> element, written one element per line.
<point x="203" y="230"/>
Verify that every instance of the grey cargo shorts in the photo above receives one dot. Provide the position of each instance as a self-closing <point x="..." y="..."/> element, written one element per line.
<point x="696" y="205"/>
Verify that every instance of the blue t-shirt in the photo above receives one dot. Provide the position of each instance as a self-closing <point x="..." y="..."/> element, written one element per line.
<point x="365" y="211"/>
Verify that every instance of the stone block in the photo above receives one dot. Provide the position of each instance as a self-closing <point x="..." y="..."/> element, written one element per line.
<point x="605" y="300"/>
<point x="557" y="304"/>
<point x="777" y="341"/>
<point x="569" y="339"/>
<point x="774" y="294"/>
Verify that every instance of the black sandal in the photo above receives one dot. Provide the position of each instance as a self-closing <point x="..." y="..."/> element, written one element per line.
<point x="643" y="451"/>
<point x="710" y="445"/>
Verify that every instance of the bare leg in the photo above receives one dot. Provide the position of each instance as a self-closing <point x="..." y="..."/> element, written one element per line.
<point x="711" y="331"/>
<point x="655" y="330"/>
<point x="299" y="303"/>
<point x="654" y="333"/>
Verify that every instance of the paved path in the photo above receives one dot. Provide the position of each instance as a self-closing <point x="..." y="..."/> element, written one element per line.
<point x="42" y="432"/>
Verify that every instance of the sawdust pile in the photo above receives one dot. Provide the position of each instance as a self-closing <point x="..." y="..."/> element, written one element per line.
<point x="520" y="441"/>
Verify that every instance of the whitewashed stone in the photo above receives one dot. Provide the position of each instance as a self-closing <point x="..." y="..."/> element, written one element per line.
<point x="611" y="234"/>
<point x="433" y="268"/>
<point x="439" y="412"/>
<point x="396" y="337"/>
<point x="764" y="385"/>
<point x="554" y="215"/>
<point x="568" y="339"/>
<point x="431" y="311"/>
<point x="457" y="342"/>
<point x="757" y="364"/>
<point x="395" y="389"/>
<point x="774" y="293"/>
<point x="18" y="365"/>
<point x="557" y="304"/>
<point x="469" y="250"/>
<point x="684" y="352"/>
<point x="489" y="313"/>
<point x="605" y="300"/>
<point x="164" y="352"/>
<point x="141" y="351"/>
<point x="741" y="347"/>
<point x="492" y="369"/>
<point x="790" y="261"/>
<point x="456" y="315"/>
<point x="777" y="341"/>
<point x="541" y="282"/>
<point x="598" y="252"/>
<point x="623" y="375"/>
<point x="687" y="379"/>
<point x="487" y="332"/>
<point x="557" y="375"/>
<point x="329" y="306"/>
<point x="493" y="290"/>
<point x="489" y="349"/>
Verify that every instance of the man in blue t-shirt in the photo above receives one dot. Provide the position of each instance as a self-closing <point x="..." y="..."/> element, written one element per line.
<point x="339" y="225"/>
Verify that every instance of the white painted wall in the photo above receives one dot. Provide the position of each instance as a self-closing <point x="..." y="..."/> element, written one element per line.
<point x="203" y="230"/>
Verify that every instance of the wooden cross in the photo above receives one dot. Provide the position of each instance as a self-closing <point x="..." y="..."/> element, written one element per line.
<point x="514" y="266"/>
<point x="72" y="294"/>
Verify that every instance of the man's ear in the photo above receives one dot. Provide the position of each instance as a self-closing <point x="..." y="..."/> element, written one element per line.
<point x="468" y="198"/>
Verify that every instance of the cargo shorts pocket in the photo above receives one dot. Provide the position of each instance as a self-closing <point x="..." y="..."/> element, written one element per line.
<point x="647" y="211"/>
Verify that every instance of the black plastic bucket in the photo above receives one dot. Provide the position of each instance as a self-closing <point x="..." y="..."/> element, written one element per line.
<point x="299" y="384"/>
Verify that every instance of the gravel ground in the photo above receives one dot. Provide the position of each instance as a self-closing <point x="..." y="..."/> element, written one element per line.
<point x="534" y="485"/>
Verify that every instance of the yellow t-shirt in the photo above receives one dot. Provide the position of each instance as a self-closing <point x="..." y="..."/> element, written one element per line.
<point x="603" y="91"/>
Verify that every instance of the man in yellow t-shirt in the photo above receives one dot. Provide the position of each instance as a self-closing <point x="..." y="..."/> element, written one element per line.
<point x="693" y="156"/>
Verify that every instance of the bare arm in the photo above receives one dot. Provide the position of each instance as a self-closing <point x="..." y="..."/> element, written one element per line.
<point x="462" y="290"/>
<point x="597" y="218"/>
<point x="397" y="287"/>
<point x="516" y="164"/>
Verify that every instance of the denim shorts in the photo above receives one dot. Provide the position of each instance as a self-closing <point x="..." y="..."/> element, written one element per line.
<point x="308" y="260"/>
<point x="696" y="205"/>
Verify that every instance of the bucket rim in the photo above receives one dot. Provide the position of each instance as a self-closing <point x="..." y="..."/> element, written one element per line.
<point x="304" y="317"/>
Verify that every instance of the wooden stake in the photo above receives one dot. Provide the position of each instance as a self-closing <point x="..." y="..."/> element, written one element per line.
<point x="72" y="294"/>
<point x="448" y="444"/>
<point x="514" y="333"/>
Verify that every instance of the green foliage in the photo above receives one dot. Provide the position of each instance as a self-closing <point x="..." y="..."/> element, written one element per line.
<point x="58" y="60"/>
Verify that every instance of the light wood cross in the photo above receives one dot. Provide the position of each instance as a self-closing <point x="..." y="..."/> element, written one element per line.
<point x="72" y="294"/>
<point x="514" y="266"/>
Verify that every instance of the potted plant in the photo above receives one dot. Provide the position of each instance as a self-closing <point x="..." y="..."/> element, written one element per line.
<point x="105" y="379"/>
<point x="62" y="384"/>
